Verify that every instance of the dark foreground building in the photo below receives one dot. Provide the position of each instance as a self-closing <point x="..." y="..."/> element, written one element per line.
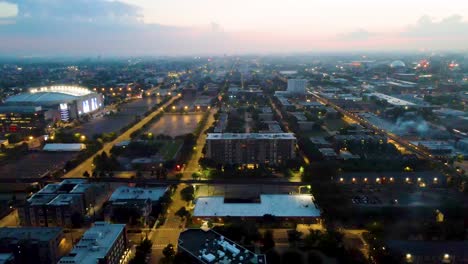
<point x="208" y="246"/>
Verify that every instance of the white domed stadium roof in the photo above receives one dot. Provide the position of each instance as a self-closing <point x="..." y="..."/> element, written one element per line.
<point x="397" y="64"/>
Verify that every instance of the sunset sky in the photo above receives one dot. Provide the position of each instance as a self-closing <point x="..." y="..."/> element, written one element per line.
<point x="185" y="27"/>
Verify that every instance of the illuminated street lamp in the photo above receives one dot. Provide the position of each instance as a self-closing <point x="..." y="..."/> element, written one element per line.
<point x="83" y="137"/>
<point x="409" y="258"/>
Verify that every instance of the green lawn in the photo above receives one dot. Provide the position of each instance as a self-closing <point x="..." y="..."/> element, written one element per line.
<point x="335" y="124"/>
<point x="170" y="148"/>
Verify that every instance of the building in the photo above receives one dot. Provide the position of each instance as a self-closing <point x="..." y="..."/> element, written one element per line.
<point x="104" y="243"/>
<point x="61" y="204"/>
<point x="31" y="245"/>
<point x="300" y="208"/>
<point x="58" y="147"/>
<point x="297" y="86"/>
<point x="208" y="246"/>
<point x="250" y="148"/>
<point x="24" y="120"/>
<point x="7" y="258"/>
<point x="55" y="102"/>
<point x="60" y="210"/>
<point x="142" y="201"/>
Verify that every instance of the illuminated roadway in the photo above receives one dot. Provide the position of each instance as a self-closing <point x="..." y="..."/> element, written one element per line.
<point x="87" y="165"/>
<point x="378" y="130"/>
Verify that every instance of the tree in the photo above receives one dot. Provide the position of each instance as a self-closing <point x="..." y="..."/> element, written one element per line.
<point x="139" y="174"/>
<point x="268" y="240"/>
<point x="182" y="212"/>
<point x="294" y="236"/>
<point x="188" y="193"/>
<point x="196" y="175"/>
<point x="169" y="251"/>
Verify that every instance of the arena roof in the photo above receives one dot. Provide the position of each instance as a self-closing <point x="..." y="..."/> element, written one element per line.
<point x="51" y="94"/>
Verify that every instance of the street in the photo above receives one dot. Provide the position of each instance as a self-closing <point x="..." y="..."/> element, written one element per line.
<point x="87" y="164"/>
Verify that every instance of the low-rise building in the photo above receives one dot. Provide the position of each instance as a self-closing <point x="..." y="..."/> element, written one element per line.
<point x="31" y="245"/>
<point x="59" y="204"/>
<point x="300" y="208"/>
<point x="141" y="200"/>
<point x="104" y="243"/>
<point x="208" y="246"/>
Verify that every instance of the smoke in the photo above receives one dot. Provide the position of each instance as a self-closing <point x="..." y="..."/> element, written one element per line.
<point x="411" y="123"/>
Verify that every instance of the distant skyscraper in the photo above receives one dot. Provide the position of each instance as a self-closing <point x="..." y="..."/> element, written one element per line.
<point x="297" y="86"/>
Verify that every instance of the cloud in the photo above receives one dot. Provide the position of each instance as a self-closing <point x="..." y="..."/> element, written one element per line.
<point x="81" y="27"/>
<point x="77" y="10"/>
<point x="452" y="26"/>
<point x="358" y="35"/>
<point x="87" y="27"/>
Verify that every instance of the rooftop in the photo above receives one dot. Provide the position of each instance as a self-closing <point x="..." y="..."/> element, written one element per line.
<point x="49" y="94"/>
<point x="82" y="187"/>
<point x="95" y="243"/>
<point x="250" y="136"/>
<point x="64" y="147"/>
<point x="211" y="247"/>
<point x="64" y="199"/>
<point x="36" y="233"/>
<point x="392" y="100"/>
<point x="133" y="193"/>
<point x="274" y="204"/>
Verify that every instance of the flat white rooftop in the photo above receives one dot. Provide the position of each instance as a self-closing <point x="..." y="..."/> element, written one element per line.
<point x="392" y="100"/>
<point x="64" y="147"/>
<point x="213" y="136"/>
<point x="134" y="193"/>
<point x="280" y="205"/>
<point x="95" y="243"/>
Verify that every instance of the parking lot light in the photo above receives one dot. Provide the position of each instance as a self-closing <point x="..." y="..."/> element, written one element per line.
<point x="409" y="258"/>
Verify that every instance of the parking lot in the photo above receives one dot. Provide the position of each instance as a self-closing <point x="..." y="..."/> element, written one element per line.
<point x="35" y="164"/>
<point x="114" y="122"/>
<point x="176" y="124"/>
<point x="402" y="195"/>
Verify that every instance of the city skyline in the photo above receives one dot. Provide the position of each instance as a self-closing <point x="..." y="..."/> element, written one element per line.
<point x="140" y="27"/>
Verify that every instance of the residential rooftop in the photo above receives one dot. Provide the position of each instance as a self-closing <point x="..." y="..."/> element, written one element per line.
<point x="134" y="193"/>
<point x="95" y="243"/>
<point x="64" y="199"/>
<point x="221" y="136"/>
<point x="30" y="233"/>
<point x="208" y="246"/>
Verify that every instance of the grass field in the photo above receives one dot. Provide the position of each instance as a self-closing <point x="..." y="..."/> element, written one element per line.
<point x="170" y="148"/>
<point x="335" y="124"/>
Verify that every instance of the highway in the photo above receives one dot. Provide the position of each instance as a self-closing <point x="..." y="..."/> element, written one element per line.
<point x="88" y="163"/>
